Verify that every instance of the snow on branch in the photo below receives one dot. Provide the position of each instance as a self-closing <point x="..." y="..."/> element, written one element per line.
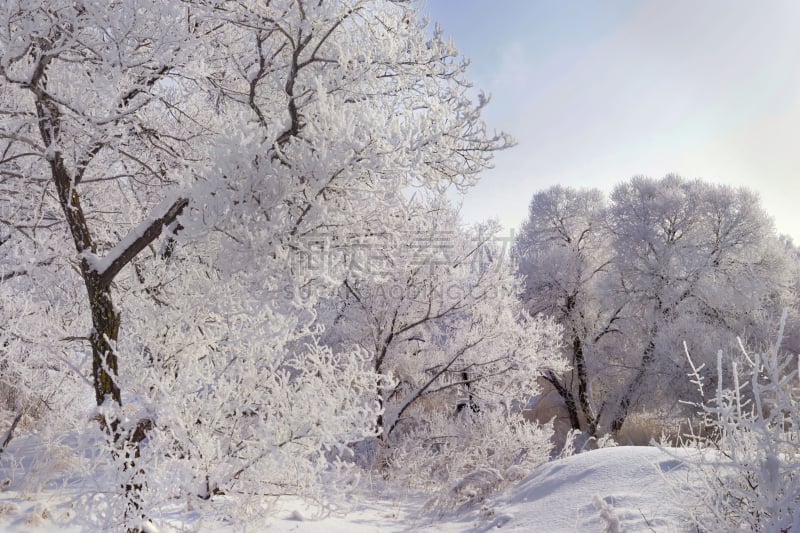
<point x="135" y="241"/>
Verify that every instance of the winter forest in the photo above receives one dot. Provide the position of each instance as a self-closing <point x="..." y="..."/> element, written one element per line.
<point x="237" y="292"/>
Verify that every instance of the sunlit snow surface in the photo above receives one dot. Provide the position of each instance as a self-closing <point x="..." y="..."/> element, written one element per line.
<point x="634" y="487"/>
<point x="637" y="485"/>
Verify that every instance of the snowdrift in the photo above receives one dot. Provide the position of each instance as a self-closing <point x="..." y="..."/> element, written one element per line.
<point x="624" y="488"/>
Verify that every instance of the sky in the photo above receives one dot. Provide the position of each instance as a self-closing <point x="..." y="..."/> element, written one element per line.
<point x="597" y="92"/>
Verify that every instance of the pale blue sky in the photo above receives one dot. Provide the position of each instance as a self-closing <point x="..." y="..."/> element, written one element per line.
<point x="596" y="92"/>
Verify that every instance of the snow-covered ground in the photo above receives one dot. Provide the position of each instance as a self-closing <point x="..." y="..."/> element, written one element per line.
<point x="634" y="487"/>
<point x="630" y="488"/>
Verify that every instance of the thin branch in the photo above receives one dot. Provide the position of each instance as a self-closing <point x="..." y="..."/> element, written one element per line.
<point x="24" y="272"/>
<point x="10" y="433"/>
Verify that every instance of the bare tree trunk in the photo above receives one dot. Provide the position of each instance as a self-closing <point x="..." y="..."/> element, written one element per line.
<point x="567" y="392"/>
<point x="583" y="384"/>
<point x="579" y="362"/>
<point x="10" y="432"/>
<point x="106" y="322"/>
<point x="625" y="401"/>
<point x="105" y="318"/>
<point x="566" y="395"/>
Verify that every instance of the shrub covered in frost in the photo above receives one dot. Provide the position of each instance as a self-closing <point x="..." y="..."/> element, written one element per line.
<point x="752" y="481"/>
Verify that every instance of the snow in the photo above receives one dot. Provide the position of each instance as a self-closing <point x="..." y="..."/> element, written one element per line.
<point x="634" y="487"/>
<point x="102" y="264"/>
<point x="623" y="488"/>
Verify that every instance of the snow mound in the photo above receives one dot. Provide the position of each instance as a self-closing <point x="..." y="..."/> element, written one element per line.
<point x="625" y="488"/>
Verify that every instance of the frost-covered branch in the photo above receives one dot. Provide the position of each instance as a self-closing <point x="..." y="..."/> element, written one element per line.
<point x="137" y="240"/>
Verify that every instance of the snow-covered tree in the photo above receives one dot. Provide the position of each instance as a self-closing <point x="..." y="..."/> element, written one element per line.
<point x="668" y="261"/>
<point x="456" y="351"/>
<point x="563" y="252"/>
<point x="194" y="154"/>
<point x="700" y="264"/>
